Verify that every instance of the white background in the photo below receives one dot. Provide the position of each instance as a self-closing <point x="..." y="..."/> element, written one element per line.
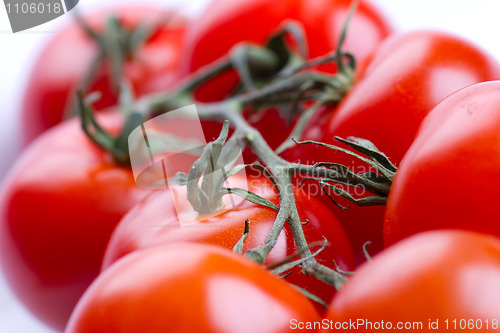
<point x="476" y="20"/>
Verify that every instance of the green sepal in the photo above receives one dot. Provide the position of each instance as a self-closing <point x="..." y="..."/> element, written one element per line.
<point x="250" y="196"/>
<point x="238" y="248"/>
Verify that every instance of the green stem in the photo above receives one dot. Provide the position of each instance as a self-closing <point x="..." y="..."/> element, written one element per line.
<point x="282" y="170"/>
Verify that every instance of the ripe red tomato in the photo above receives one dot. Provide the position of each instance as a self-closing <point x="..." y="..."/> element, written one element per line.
<point x="407" y="77"/>
<point x="448" y="277"/>
<point x="446" y="179"/>
<point x="226" y="22"/>
<point x="155" y="220"/>
<point x="55" y="75"/>
<point x="188" y="288"/>
<point x="58" y="207"/>
<point x="409" y="74"/>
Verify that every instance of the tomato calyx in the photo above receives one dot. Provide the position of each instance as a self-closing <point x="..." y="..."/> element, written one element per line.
<point x="341" y="83"/>
<point x="377" y="182"/>
<point x="213" y="167"/>
<point x="207" y="197"/>
<point x="256" y="65"/>
<point x="117" y="146"/>
<point x="206" y="181"/>
<point x="116" y="44"/>
<point x="238" y="247"/>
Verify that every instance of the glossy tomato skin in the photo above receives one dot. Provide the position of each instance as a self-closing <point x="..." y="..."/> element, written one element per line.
<point x="447" y="178"/>
<point x="408" y="75"/>
<point x="188" y="288"/>
<point x="58" y="206"/>
<point x="433" y="276"/>
<point x="155" y="220"/>
<point x="54" y="78"/>
<point x="225" y="23"/>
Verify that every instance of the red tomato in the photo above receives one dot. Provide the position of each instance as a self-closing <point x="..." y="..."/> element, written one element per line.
<point x="225" y="23"/>
<point x="409" y="74"/>
<point x="448" y="279"/>
<point x="55" y="75"/>
<point x="188" y="288"/>
<point x="155" y="220"/>
<point x="447" y="178"/>
<point x="58" y="206"/>
<point x="407" y="77"/>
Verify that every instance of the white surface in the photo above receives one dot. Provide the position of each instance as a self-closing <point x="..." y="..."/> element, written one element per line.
<point x="476" y="20"/>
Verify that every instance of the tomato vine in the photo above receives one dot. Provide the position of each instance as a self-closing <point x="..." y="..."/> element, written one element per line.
<point x="274" y="74"/>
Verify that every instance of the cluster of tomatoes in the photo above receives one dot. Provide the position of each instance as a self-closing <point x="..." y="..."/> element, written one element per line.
<point x="87" y="250"/>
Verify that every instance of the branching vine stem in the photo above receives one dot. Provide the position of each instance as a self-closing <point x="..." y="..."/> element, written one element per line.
<point x="281" y="169"/>
<point x="283" y="84"/>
